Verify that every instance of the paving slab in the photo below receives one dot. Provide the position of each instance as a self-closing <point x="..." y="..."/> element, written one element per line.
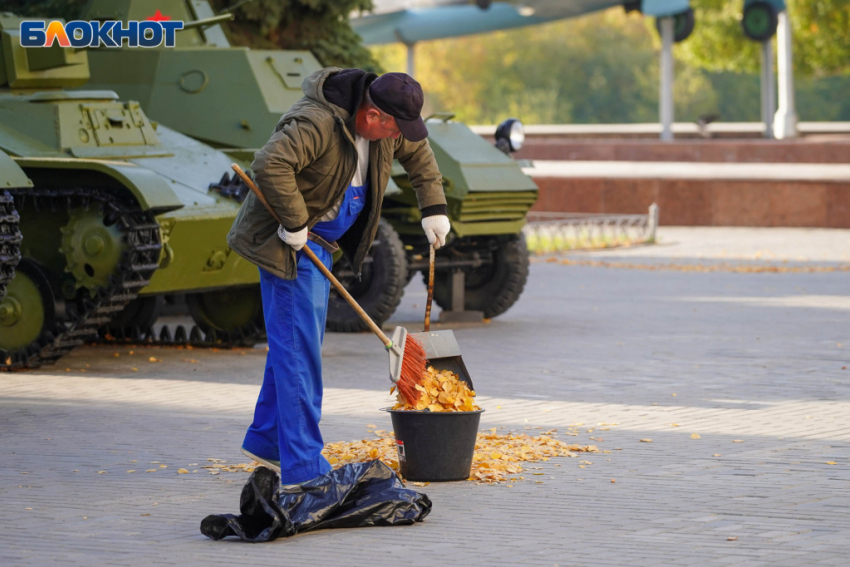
<point x="744" y="360"/>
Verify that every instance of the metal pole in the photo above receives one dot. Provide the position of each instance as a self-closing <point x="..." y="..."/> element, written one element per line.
<point x="785" y="121"/>
<point x="665" y="98"/>
<point x="411" y="59"/>
<point x="768" y="88"/>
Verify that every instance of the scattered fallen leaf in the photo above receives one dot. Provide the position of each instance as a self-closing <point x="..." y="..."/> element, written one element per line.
<point x="182" y="471"/>
<point x="151" y="470"/>
<point x="737" y="441"/>
<point x="695" y="436"/>
<point x="731" y="538"/>
<point x="646" y="440"/>
<point x="613" y="480"/>
<point x="131" y="470"/>
<point x="717" y="454"/>
<point x="163" y="466"/>
<point x="831" y="463"/>
<point x="101" y="472"/>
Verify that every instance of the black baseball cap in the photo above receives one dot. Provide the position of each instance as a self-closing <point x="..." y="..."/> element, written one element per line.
<point x="400" y="96"/>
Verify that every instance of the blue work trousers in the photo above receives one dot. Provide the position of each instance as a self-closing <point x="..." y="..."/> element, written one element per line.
<point x="286" y="418"/>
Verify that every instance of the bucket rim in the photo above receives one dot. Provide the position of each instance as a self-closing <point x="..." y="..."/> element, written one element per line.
<point x="423" y="412"/>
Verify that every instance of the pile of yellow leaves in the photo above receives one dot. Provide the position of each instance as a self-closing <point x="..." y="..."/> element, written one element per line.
<point x="497" y="457"/>
<point x="440" y="390"/>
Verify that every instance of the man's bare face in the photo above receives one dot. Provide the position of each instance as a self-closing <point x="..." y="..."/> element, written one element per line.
<point x="373" y="126"/>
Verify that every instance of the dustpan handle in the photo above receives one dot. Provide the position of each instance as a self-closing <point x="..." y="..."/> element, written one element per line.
<point x="322" y="268"/>
<point x="427" y="326"/>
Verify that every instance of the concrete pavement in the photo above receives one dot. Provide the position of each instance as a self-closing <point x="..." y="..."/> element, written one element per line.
<point x="754" y="364"/>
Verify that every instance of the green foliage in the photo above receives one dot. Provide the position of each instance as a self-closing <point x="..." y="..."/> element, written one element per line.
<point x="320" y="26"/>
<point x="65" y="9"/>
<point x="601" y="68"/>
<point x="820" y="32"/>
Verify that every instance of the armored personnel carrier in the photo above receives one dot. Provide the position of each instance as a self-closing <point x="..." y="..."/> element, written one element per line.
<point x="115" y="211"/>
<point x="232" y="97"/>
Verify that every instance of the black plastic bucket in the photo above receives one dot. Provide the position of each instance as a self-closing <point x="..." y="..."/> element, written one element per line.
<point x="435" y="446"/>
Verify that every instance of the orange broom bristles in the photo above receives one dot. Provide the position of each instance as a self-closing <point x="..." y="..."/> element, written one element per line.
<point x="412" y="369"/>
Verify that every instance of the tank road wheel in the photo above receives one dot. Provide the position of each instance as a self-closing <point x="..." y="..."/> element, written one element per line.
<point x="492" y="288"/>
<point x="381" y="284"/>
<point x="27" y="314"/>
<point x="140" y="313"/>
<point x="233" y="310"/>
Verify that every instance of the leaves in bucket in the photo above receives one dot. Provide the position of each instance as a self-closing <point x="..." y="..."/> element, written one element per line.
<point x="441" y="390"/>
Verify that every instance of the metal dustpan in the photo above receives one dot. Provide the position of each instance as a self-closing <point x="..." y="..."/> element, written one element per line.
<point x="443" y="353"/>
<point x="441" y="348"/>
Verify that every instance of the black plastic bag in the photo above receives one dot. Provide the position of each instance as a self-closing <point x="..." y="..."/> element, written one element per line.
<point x="353" y="496"/>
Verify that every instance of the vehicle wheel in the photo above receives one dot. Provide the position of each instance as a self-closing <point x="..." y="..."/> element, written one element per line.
<point x="760" y="21"/>
<point x="27" y="314"/>
<point x="232" y="310"/>
<point x="140" y="313"/>
<point x="683" y="25"/>
<point x="492" y="288"/>
<point x="380" y="287"/>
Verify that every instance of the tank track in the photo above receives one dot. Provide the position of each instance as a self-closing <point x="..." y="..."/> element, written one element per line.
<point x="10" y="240"/>
<point x="85" y="316"/>
<point x="177" y="336"/>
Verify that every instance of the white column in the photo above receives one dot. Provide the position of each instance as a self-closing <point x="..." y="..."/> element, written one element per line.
<point x="665" y="99"/>
<point x="411" y="59"/>
<point x="785" y="121"/>
<point x="768" y="88"/>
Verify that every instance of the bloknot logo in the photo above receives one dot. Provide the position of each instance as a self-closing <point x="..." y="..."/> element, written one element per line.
<point x="110" y="33"/>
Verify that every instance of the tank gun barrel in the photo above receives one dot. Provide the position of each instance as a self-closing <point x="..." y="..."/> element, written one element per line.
<point x="206" y="22"/>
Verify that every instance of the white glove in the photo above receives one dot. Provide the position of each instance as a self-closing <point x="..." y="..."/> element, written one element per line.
<point x="295" y="239"/>
<point x="436" y="228"/>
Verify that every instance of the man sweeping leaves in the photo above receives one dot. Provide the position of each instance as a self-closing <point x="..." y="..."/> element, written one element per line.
<point x="324" y="172"/>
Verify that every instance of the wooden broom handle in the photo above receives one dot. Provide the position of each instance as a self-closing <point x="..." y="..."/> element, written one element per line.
<point x="322" y="268"/>
<point x="427" y="326"/>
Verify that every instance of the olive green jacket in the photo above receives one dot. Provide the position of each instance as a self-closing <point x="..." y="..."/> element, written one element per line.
<point x="305" y="168"/>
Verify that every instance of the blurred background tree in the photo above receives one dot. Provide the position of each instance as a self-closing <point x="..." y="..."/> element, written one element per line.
<point x="820" y="29"/>
<point x="320" y="26"/>
<point x="603" y="68"/>
<point x="65" y="9"/>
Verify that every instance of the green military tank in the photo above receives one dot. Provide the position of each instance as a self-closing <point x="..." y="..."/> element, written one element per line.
<point x="232" y="98"/>
<point x="107" y="213"/>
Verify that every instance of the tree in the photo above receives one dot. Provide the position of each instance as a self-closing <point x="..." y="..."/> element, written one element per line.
<point x="320" y="26"/>
<point x="820" y="31"/>
<point x="66" y="9"/>
<point x="600" y="68"/>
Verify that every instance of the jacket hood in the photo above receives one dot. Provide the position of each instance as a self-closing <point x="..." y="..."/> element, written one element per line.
<point x="340" y="90"/>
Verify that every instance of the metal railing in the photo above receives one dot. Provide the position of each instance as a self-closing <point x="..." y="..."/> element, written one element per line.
<point x="560" y="232"/>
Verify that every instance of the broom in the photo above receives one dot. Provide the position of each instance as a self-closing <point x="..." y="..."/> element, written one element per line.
<point x="407" y="355"/>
